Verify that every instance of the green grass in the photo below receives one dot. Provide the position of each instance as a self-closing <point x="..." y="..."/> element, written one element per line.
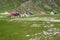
<point x="9" y="5"/>
<point x="17" y="30"/>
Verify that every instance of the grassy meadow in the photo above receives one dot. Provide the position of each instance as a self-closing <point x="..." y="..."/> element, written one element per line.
<point x="29" y="30"/>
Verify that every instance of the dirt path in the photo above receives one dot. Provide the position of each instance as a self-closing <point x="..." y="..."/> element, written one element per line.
<point x="35" y="19"/>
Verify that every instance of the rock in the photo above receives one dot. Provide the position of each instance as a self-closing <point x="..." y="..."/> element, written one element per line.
<point x="27" y="35"/>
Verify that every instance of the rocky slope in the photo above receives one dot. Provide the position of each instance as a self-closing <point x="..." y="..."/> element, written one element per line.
<point x="30" y="5"/>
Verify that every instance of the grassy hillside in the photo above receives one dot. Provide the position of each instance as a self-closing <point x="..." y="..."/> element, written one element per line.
<point x="58" y="2"/>
<point x="29" y="30"/>
<point x="47" y="5"/>
<point x="9" y="5"/>
<point x="35" y="27"/>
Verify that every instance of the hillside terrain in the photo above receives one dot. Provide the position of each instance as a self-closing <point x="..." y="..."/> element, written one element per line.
<point x="30" y="5"/>
<point x="31" y="21"/>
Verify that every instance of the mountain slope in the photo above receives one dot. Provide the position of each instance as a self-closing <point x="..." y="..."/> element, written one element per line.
<point x="47" y="5"/>
<point x="9" y="5"/>
<point x="35" y="5"/>
<point x="39" y="5"/>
